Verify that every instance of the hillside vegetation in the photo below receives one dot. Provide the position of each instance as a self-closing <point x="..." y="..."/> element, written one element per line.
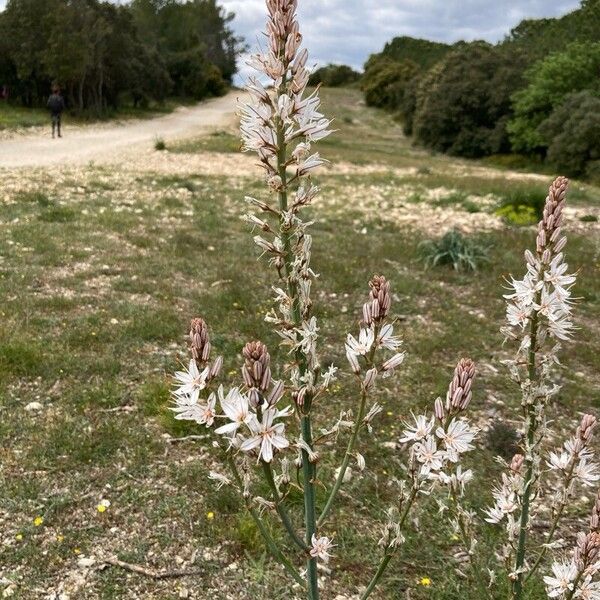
<point x="477" y="99"/>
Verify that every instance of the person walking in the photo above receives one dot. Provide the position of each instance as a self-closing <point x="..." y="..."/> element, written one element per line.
<point x="56" y="105"/>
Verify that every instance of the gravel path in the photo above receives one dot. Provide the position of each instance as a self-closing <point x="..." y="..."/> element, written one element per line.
<point x="114" y="141"/>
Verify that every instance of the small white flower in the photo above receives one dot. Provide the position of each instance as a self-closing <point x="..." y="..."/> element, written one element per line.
<point x="219" y="478"/>
<point x="587" y="473"/>
<point x="457" y="438"/>
<point x="429" y="456"/>
<point x="267" y="435"/>
<point x="421" y="429"/>
<point x="363" y="345"/>
<point x="320" y="548"/>
<point x="562" y="582"/>
<point x="191" y="380"/>
<point x="387" y="339"/>
<point x="236" y="408"/>
<point x="329" y="376"/>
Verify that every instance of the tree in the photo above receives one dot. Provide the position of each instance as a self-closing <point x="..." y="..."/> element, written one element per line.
<point x="385" y="81"/>
<point x="549" y="83"/>
<point x="463" y="102"/>
<point x="422" y="52"/>
<point x="573" y="129"/>
<point x="334" y="76"/>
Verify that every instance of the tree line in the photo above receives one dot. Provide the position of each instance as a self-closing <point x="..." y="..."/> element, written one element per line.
<point x="536" y="93"/>
<point x="102" y="54"/>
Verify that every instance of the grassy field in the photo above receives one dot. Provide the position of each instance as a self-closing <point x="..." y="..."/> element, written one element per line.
<point x="100" y="271"/>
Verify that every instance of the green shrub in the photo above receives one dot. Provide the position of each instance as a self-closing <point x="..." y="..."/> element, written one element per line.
<point x="160" y="144"/>
<point x="462" y="105"/>
<point x="334" y="76"/>
<point x="573" y="131"/>
<point x="522" y="207"/>
<point x="385" y="81"/>
<point x="454" y="249"/>
<point x="550" y="81"/>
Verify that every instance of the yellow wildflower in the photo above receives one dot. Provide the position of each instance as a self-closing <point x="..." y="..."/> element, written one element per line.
<point x="425" y="581"/>
<point x="210" y="515"/>
<point x="38" y="521"/>
<point x="19" y="537"/>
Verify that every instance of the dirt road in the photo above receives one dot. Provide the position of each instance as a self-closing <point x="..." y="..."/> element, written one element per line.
<point x="113" y="141"/>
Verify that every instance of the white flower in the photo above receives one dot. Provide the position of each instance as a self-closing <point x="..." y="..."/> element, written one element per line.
<point x="191" y="380"/>
<point x="562" y="582"/>
<point x="428" y="455"/>
<point x="387" y="339"/>
<point x="456" y="480"/>
<point x="312" y="162"/>
<point x="457" y="438"/>
<point x="219" y="478"/>
<point x="365" y="341"/>
<point x="556" y="276"/>
<point x="559" y="461"/>
<point x="236" y="409"/>
<point x="329" y="376"/>
<point x="308" y="335"/>
<point x="421" y="429"/>
<point x="320" y="548"/>
<point x="587" y="473"/>
<point x="267" y="435"/>
<point x="524" y="290"/>
<point x="188" y="408"/>
<point x="518" y="314"/>
<point x="588" y="590"/>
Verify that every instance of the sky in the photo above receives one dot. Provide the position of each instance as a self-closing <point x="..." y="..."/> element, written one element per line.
<point x="348" y="31"/>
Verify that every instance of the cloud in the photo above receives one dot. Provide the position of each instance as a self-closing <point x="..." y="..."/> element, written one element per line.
<point x="348" y="31"/>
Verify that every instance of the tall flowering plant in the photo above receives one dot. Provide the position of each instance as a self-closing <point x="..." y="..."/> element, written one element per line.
<point x="263" y="427"/>
<point x="539" y="319"/>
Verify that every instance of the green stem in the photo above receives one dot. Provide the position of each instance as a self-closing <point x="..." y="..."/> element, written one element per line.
<point x="517" y="590"/>
<point x="353" y="438"/>
<point x="388" y="553"/>
<point x="269" y="541"/>
<point x="280" y="508"/>
<point x="554" y="525"/>
<point x="344" y="466"/>
<point x="308" y="472"/>
<point x="308" y="469"/>
<point x="575" y="586"/>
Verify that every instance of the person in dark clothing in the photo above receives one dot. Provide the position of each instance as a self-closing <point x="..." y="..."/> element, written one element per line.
<point x="56" y="105"/>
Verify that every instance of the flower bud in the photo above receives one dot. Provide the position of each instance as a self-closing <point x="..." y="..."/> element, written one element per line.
<point x="516" y="463"/>
<point x="199" y="341"/>
<point x="370" y="378"/>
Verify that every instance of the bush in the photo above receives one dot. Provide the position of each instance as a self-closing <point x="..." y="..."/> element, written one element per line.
<point x="463" y="103"/>
<point x="522" y="207"/>
<point x="574" y="131"/>
<point x="454" y="249"/>
<point x="385" y="82"/>
<point x="550" y="81"/>
<point x="334" y="76"/>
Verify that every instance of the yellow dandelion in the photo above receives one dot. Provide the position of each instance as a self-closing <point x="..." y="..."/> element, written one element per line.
<point x="38" y="521"/>
<point x="76" y="550"/>
<point x="210" y="515"/>
<point x="60" y="538"/>
<point x="19" y="537"/>
<point x="389" y="413"/>
<point x="425" y="581"/>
